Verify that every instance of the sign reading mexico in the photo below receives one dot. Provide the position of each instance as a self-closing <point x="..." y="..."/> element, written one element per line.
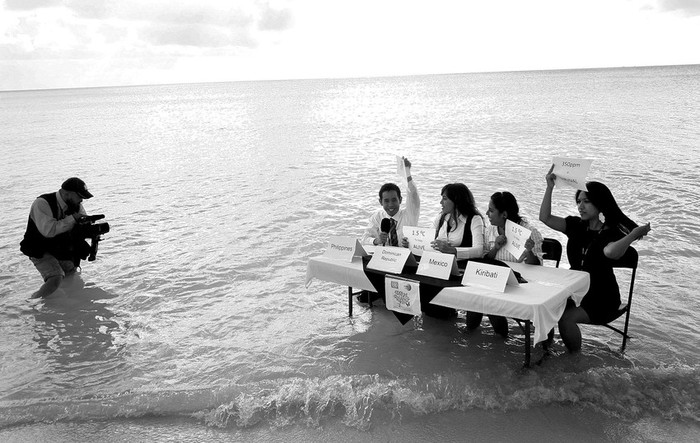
<point x="489" y="276"/>
<point x="418" y="239"/>
<point x="344" y="248"/>
<point x="572" y="171"/>
<point x="438" y="265"/>
<point x="516" y="237"/>
<point x="402" y="295"/>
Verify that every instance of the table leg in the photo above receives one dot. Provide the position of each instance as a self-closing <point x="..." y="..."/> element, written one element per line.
<point x="349" y="301"/>
<point x="527" y="343"/>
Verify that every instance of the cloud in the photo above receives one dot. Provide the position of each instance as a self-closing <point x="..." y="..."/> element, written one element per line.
<point x="196" y="35"/>
<point x="689" y="8"/>
<point x="275" y="19"/>
<point x="204" y="24"/>
<point x="28" y="5"/>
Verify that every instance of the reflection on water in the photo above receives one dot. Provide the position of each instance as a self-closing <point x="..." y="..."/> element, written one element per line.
<point x="75" y="330"/>
<point x="75" y="326"/>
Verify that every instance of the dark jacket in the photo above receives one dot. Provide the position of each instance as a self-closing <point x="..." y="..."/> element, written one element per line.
<point x="36" y="245"/>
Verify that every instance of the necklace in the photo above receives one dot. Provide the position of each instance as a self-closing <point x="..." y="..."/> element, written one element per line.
<point x="591" y="235"/>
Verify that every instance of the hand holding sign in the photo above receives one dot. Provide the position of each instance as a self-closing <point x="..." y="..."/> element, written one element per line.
<point x="516" y="237"/>
<point x="418" y="239"/>
<point x="571" y="171"/>
<point x="403" y="168"/>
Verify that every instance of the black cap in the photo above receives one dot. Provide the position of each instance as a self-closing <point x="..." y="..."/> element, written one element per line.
<point x="76" y="185"/>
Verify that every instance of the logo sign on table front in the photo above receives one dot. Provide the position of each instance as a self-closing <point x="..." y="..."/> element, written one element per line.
<point x="391" y="259"/>
<point x="438" y="265"/>
<point x="344" y="248"/>
<point x="516" y="237"/>
<point x="488" y="276"/>
<point x="418" y="239"/>
<point x="572" y="171"/>
<point x="402" y="295"/>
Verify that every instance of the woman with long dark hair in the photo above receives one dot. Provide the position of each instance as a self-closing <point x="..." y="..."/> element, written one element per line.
<point x="599" y="236"/>
<point x="459" y="228"/>
<point x="503" y="207"/>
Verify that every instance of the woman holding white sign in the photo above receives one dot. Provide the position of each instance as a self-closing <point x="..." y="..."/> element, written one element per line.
<point x="601" y="234"/>
<point x="503" y="207"/>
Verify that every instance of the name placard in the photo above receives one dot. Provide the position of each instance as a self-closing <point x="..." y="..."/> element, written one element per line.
<point x="418" y="239"/>
<point x="438" y="265"/>
<point x="344" y="248"/>
<point x="572" y="171"/>
<point x="488" y="276"/>
<point x="516" y="237"/>
<point x="391" y="259"/>
<point x="402" y="295"/>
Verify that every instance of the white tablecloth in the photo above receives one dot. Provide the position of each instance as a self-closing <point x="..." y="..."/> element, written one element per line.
<point x="338" y="271"/>
<point x="541" y="300"/>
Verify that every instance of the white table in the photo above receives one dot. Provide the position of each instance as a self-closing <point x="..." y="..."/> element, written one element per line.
<point x="539" y="302"/>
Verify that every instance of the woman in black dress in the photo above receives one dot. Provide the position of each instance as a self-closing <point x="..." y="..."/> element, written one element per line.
<point x="598" y="237"/>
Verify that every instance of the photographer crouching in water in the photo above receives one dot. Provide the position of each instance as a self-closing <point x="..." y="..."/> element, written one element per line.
<point x="56" y="232"/>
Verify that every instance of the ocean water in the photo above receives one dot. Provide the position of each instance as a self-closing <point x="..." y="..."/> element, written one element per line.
<point x="194" y="323"/>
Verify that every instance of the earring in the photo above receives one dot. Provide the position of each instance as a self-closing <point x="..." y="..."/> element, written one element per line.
<point x="601" y="217"/>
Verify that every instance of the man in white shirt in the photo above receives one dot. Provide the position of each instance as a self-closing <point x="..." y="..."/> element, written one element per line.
<point x="390" y="200"/>
<point x="48" y="240"/>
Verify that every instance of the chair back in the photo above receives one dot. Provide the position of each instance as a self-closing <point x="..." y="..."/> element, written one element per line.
<point x="629" y="261"/>
<point x="551" y="249"/>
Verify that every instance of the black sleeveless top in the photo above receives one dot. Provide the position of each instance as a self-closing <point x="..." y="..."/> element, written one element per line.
<point x="36" y="245"/>
<point x="466" y="236"/>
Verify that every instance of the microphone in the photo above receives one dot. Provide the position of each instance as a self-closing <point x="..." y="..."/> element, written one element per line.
<point x="386" y="227"/>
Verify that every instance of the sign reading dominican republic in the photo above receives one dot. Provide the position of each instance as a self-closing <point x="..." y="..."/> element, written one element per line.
<point x="516" y="237"/>
<point x="391" y="259"/>
<point x="418" y="239"/>
<point x="402" y="295"/>
<point x="344" y="248"/>
<point x="438" y="265"/>
<point x="488" y="276"/>
<point x="572" y="171"/>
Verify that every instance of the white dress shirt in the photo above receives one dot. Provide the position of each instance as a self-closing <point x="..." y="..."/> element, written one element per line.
<point x="455" y="236"/>
<point x="406" y="216"/>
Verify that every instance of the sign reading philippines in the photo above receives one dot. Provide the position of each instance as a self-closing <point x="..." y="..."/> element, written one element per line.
<point x="344" y="248"/>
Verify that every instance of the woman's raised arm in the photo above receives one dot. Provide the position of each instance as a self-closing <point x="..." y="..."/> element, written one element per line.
<point x="546" y="217"/>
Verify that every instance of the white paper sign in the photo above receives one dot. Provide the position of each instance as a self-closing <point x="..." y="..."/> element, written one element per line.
<point x="401" y="169"/>
<point x="391" y="259"/>
<point x="572" y="171"/>
<point x="419" y="239"/>
<point x="344" y="248"/>
<point x="438" y="265"/>
<point x="402" y="295"/>
<point x="488" y="276"/>
<point x="516" y="237"/>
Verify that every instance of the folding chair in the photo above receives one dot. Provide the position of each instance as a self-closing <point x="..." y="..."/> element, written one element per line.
<point x="627" y="261"/>
<point x="551" y="249"/>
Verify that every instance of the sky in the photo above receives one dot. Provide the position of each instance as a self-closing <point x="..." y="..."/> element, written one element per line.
<point x="88" y="43"/>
